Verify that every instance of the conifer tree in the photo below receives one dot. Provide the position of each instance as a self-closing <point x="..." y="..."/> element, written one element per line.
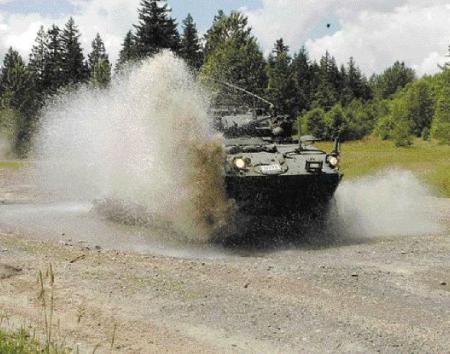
<point x="233" y="54"/>
<point x="53" y="64"/>
<point x="98" y="63"/>
<point x="303" y="76"/>
<point x="392" y="79"/>
<point x="16" y="89"/>
<point x="156" y="29"/>
<point x="128" y="51"/>
<point x="36" y="64"/>
<point x="74" y="69"/>
<point x="281" y="85"/>
<point x="190" y="48"/>
<point x="213" y="36"/>
<point x="15" y="82"/>
<point x="355" y="84"/>
<point x="327" y="94"/>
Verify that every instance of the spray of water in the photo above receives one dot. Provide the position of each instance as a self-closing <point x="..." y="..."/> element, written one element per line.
<point x="393" y="203"/>
<point x="146" y="141"/>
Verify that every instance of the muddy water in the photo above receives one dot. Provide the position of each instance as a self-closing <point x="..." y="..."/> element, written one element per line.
<point x="75" y="223"/>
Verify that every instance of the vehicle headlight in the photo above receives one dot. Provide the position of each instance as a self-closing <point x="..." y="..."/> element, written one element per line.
<point x="240" y="163"/>
<point x="333" y="161"/>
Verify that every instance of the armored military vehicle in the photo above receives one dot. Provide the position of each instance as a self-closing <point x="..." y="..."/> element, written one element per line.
<point x="267" y="170"/>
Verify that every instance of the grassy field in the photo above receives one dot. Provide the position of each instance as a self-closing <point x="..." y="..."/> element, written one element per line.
<point x="19" y="342"/>
<point x="428" y="160"/>
<point x="11" y="164"/>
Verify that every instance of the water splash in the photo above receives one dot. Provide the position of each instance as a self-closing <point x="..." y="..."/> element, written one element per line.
<point x="146" y="140"/>
<point x="389" y="204"/>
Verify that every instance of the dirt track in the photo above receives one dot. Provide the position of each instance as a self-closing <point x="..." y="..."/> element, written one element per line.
<point x="362" y="295"/>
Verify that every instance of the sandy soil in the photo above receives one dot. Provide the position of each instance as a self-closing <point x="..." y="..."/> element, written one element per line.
<point x="389" y="295"/>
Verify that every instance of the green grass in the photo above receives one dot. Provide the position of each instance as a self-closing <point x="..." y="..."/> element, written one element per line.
<point x="11" y="164"/>
<point x="20" y="342"/>
<point x="428" y="160"/>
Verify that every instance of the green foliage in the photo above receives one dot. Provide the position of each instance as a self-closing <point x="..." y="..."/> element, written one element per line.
<point x="128" y="51"/>
<point x="17" y="99"/>
<point x="38" y="57"/>
<point x="329" y="80"/>
<point x="19" y="342"/>
<point x="391" y="80"/>
<point x="233" y="54"/>
<point x="99" y="65"/>
<point x="419" y="106"/>
<point x="190" y="48"/>
<point x="156" y="29"/>
<point x="337" y="125"/>
<point x="9" y="125"/>
<point x="314" y="123"/>
<point x="401" y="134"/>
<point x="16" y="82"/>
<point x="101" y="74"/>
<point x="281" y="89"/>
<point x="52" y="79"/>
<point x="355" y="84"/>
<point x="370" y="156"/>
<point x="426" y="134"/>
<point x="441" y="123"/>
<point x="73" y="68"/>
<point x="303" y="74"/>
<point x="411" y="111"/>
<point x="361" y="118"/>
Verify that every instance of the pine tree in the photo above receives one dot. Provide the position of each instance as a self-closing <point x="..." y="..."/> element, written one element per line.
<point x="156" y="29"/>
<point x="190" y="48"/>
<point x="392" y="79"/>
<point x="213" y="36"/>
<point x="74" y="69"/>
<point x="327" y="94"/>
<point x="233" y="54"/>
<point x="16" y="88"/>
<point x="36" y="64"/>
<point x="128" y="51"/>
<point x="53" y="64"/>
<point x="15" y="82"/>
<point x="281" y="86"/>
<point x="98" y="52"/>
<point x="303" y="76"/>
<point x="98" y="63"/>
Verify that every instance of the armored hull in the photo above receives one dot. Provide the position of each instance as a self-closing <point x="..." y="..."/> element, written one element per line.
<point x="282" y="180"/>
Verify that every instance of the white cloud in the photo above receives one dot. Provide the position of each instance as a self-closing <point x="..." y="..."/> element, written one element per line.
<point x="375" y="33"/>
<point x="112" y="19"/>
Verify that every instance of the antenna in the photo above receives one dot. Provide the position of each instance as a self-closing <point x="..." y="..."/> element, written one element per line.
<point x="271" y="105"/>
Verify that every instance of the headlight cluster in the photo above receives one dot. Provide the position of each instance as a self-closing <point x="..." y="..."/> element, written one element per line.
<point x="333" y="161"/>
<point x="240" y="163"/>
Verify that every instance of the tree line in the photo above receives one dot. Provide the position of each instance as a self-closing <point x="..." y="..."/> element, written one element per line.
<point x="330" y="100"/>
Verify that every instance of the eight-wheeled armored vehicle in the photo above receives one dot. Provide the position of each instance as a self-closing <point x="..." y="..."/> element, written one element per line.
<point x="267" y="170"/>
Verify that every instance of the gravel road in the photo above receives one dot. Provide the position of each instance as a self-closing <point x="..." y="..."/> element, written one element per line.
<point x="352" y="295"/>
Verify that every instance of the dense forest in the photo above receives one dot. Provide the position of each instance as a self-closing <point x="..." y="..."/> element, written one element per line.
<point x="330" y="100"/>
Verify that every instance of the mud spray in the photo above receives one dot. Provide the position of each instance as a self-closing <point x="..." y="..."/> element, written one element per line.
<point x="144" y="150"/>
<point x="146" y="142"/>
<point x="392" y="203"/>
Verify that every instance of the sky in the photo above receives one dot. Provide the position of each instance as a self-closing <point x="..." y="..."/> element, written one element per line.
<point x="375" y="32"/>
